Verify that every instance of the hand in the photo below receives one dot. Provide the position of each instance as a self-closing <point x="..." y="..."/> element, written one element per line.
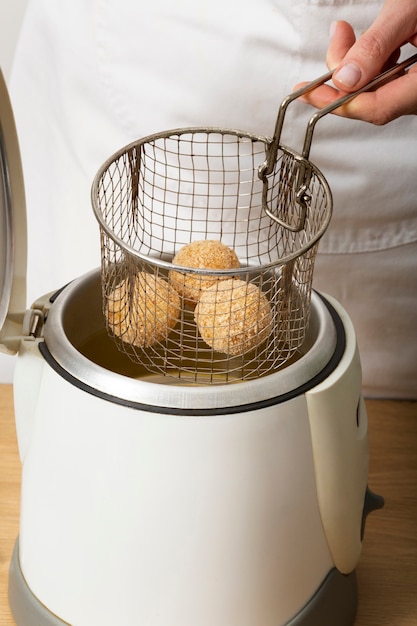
<point x="359" y="61"/>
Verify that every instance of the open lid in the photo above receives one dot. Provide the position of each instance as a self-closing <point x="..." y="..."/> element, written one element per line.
<point x="13" y="236"/>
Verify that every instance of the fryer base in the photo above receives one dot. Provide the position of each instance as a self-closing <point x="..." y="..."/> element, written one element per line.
<point x="334" y="602"/>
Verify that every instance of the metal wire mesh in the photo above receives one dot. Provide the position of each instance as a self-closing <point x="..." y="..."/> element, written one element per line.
<point x="159" y="194"/>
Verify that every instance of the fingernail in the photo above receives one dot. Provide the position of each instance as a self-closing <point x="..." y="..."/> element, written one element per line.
<point x="332" y="31"/>
<point x="349" y="74"/>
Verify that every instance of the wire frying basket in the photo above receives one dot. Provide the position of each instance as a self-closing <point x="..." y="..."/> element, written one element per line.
<point x="208" y="240"/>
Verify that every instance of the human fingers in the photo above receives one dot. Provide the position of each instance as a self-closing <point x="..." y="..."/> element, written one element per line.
<point x="395" y="25"/>
<point x="392" y="100"/>
<point x="342" y="38"/>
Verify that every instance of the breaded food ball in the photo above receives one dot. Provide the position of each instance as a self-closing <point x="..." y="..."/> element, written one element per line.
<point x="203" y="254"/>
<point x="144" y="313"/>
<point x="233" y="316"/>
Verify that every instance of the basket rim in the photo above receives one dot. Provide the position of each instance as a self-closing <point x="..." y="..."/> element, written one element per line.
<point x="172" y="133"/>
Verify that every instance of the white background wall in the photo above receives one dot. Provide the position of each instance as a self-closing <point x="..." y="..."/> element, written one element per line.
<point x="11" y="15"/>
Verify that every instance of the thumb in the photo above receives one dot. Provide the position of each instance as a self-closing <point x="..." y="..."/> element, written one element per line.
<point x="395" y="24"/>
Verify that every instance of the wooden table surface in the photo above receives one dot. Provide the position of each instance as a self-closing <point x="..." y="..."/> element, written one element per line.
<point x="387" y="573"/>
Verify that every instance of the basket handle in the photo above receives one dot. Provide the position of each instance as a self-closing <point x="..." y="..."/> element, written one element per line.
<point x="378" y="81"/>
<point x="268" y="166"/>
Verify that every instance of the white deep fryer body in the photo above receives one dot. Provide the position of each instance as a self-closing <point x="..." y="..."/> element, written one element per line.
<point x="137" y="514"/>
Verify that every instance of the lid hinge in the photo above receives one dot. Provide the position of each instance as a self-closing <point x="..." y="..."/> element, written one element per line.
<point x="20" y="327"/>
<point x="33" y="323"/>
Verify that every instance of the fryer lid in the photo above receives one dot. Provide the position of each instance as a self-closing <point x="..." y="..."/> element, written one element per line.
<point x="13" y="236"/>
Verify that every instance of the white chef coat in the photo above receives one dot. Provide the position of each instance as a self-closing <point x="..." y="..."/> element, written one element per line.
<point x="91" y="76"/>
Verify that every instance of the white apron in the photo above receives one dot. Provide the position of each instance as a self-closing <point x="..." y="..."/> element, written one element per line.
<point x="93" y="75"/>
